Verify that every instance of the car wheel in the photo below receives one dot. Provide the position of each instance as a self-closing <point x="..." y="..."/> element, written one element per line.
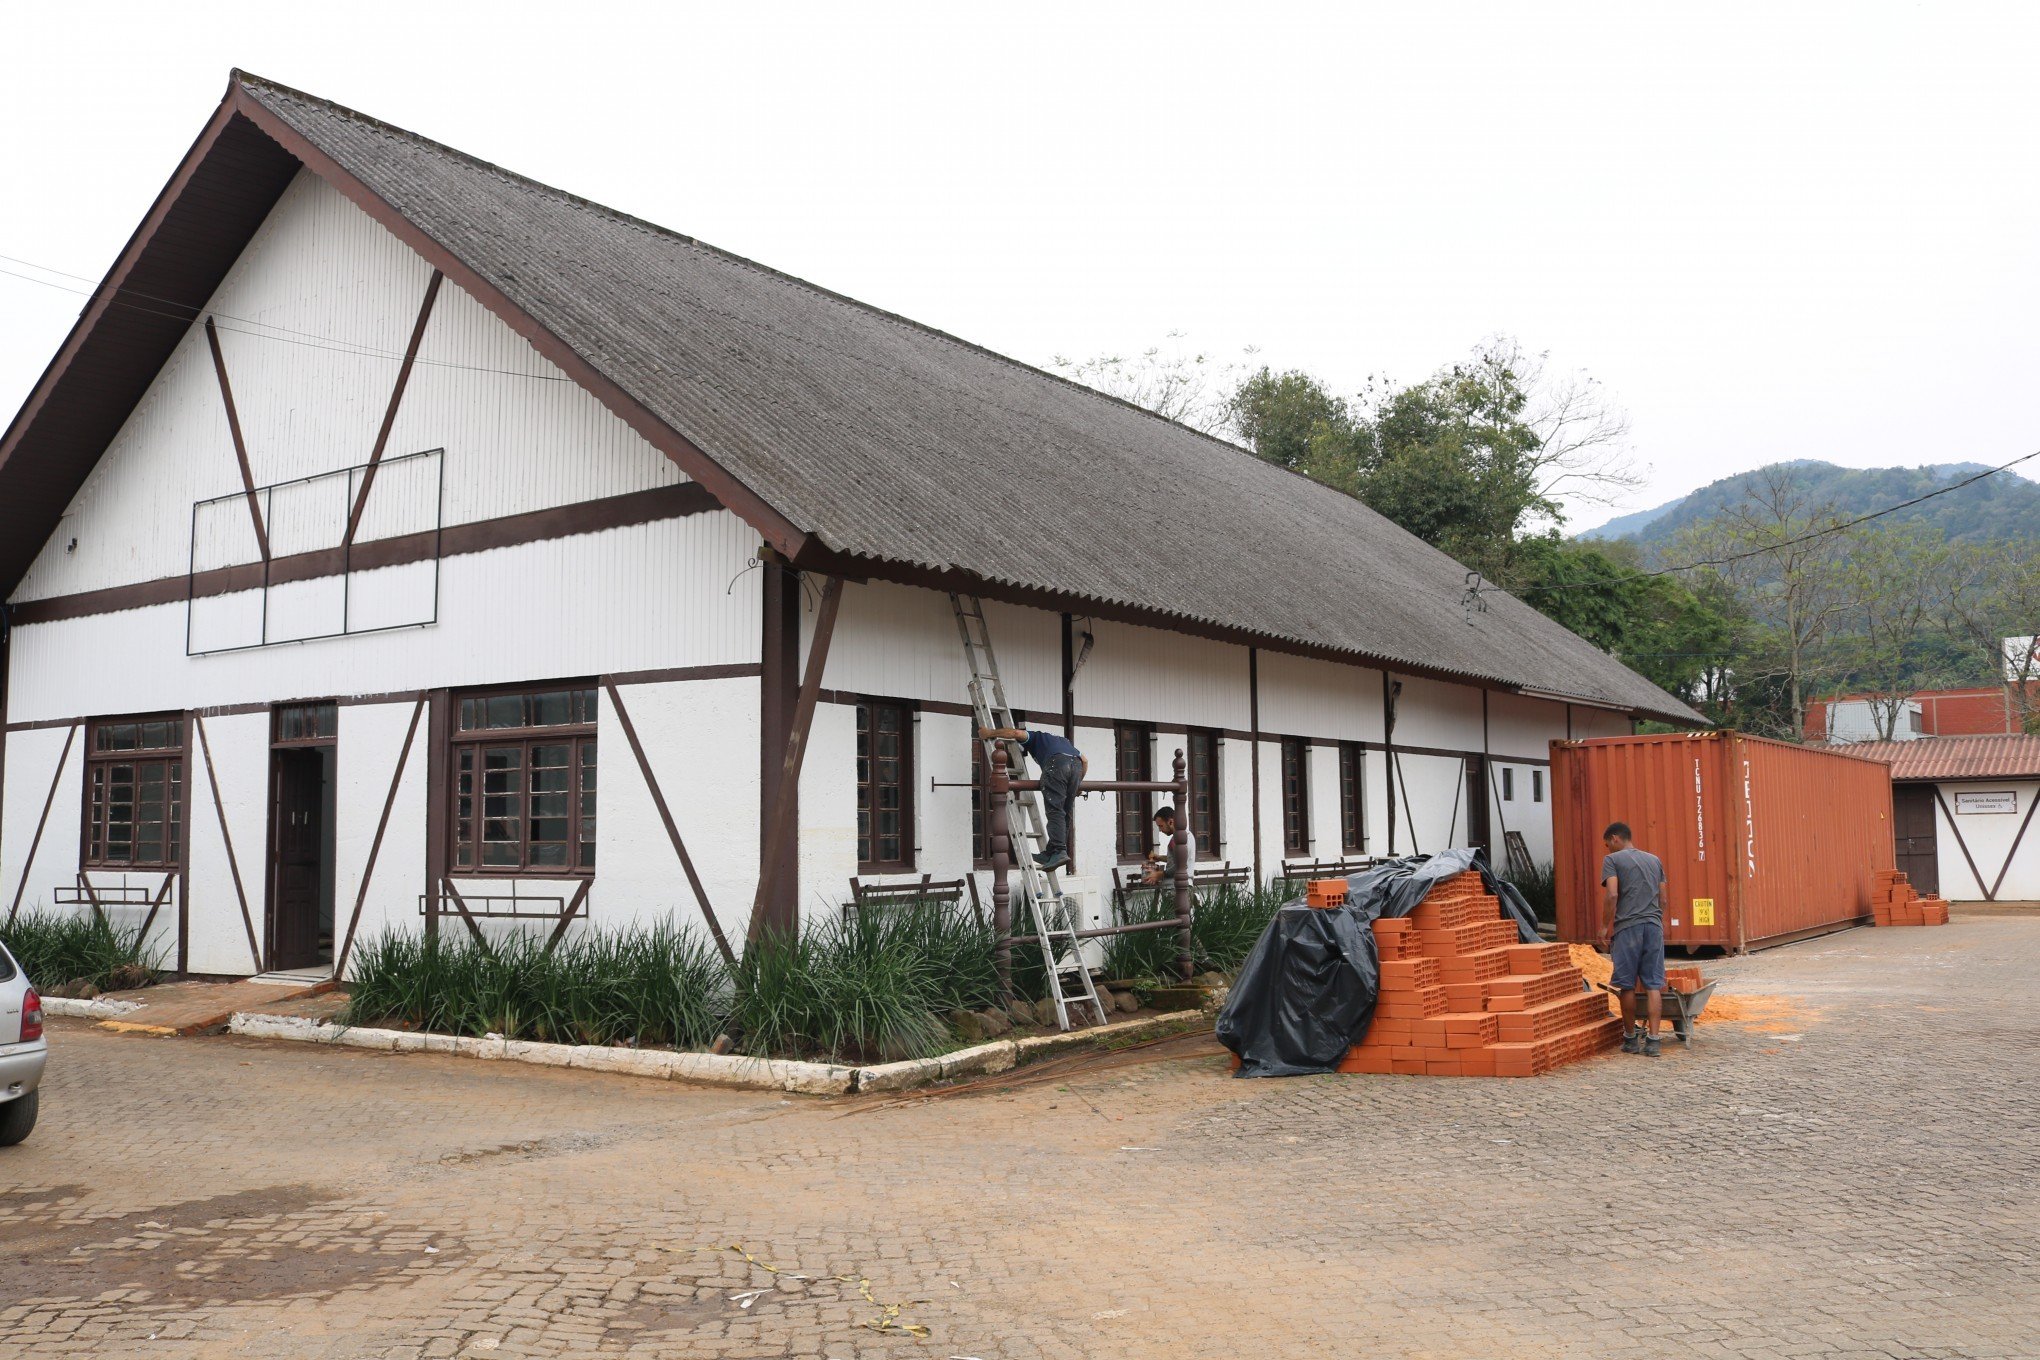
<point x="17" y="1117"/>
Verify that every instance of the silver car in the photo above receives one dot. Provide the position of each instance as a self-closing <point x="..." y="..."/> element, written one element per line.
<point x="22" y="1051"/>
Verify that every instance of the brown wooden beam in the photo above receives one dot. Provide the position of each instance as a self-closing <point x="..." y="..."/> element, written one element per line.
<point x="438" y="801"/>
<point x="227" y="837"/>
<point x="40" y="822"/>
<point x="2010" y="854"/>
<point x="1960" y="844"/>
<point x="1253" y="758"/>
<point x="382" y="436"/>
<point x="644" y="764"/>
<point x="777" y="907"/>
<point x="567" y="916"/>
<point x="212" y="340"/>
<point x="382" y="824"/>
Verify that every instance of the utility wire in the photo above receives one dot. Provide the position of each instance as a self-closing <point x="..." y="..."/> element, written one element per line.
<point x="1807" y="537"/>
<point x="309" y="339"/>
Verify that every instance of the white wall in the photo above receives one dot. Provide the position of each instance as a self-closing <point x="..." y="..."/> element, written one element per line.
<point x="1989" y="838"/>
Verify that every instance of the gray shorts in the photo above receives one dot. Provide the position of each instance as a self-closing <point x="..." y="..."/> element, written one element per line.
<point x="1639" y="952"/>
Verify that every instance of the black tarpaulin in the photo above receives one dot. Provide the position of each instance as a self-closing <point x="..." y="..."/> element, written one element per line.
<point x="1306" y="993"/>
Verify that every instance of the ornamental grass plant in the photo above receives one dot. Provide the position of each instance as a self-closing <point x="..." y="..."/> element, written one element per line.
<point x="66" y="953"/>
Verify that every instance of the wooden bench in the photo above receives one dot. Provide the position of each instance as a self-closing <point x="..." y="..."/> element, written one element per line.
<point x="1304" y="870"/>
<point x="947" y="892"/>
<point x="1126" y="882"/>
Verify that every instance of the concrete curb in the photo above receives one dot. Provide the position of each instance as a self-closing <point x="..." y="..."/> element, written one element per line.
<point x="707" y="1069"/>
<point x="99" y="1009"/>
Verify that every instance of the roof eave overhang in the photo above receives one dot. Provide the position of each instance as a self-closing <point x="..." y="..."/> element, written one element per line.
<point x="817" y="556"/>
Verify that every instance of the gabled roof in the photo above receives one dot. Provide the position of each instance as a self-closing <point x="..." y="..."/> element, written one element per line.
<point x="1932" y="758"/>
<point x="856" y="441"/>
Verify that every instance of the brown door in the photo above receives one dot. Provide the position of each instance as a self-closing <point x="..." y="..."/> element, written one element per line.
<point x="298" y="840"/>
<point x="1913" y="831"/>
<point x="1477" y="807"/>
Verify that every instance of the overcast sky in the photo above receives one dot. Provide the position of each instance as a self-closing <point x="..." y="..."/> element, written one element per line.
<point x="1771" y="232"/>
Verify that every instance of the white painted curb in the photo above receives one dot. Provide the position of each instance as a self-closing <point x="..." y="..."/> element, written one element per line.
<point x="98" y="1009"/>
<point x="708" y="1069"/>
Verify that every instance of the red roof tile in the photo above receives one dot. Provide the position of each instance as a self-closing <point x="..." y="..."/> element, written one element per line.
<point x="1930" y="758"/>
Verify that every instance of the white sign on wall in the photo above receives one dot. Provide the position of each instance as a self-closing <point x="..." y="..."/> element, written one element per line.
<point x="1971" y="803"/>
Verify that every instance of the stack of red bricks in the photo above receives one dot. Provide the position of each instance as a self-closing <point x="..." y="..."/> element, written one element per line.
<point x="1460" y="997"/>
<point x="1684" y="979"/>
<point x="1894" y="902"/>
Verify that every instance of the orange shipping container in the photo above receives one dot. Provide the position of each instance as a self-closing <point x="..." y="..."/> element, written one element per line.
<point x="1763" y="842"/>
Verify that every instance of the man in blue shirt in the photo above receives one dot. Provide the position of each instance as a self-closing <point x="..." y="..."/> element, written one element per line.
<point x="1062" y="770"/>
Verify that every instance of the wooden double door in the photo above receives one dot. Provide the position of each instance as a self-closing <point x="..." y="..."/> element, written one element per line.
<point x="1915" y="835"/>
<point x="301" y="858"/>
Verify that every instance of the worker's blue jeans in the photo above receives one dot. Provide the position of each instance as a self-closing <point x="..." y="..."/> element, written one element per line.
<point x="1059" y="780"/>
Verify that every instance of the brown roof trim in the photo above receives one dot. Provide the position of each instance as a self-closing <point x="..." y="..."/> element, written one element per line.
<point x="194" y="231"/>
<point x="818" y="557"/>
<point x="508" y="531"/>
<point x="777" y="530"/>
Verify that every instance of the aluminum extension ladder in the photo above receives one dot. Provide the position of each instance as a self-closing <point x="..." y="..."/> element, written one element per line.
<point x="1069" y="981"/>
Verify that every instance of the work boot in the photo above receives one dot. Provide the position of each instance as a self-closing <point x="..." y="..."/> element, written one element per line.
<point x="1651" y="1049"/>
<point x="1632" y="1041"/>
<point x="1053" y="861"/>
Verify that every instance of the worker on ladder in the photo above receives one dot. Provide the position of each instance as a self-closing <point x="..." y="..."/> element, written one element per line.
<point x="1063" y="768"/>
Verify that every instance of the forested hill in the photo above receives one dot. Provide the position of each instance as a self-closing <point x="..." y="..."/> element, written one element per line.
<point x="2004" y="506"/>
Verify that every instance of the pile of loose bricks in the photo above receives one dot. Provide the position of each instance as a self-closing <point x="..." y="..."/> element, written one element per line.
<point x="1460" y="997"/>
<point x="1896" y="903"/>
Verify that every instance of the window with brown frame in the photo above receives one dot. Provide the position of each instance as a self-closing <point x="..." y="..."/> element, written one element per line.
<point x="1352" y="798"/>
<point x="1295" y="796"/>
<point x="134" y="793"/>
<point x="523" y="766"/>
<point x="1201" y="756"/>
<point x="313" y="724"/>
<point x="1536" y="786"/>
<point x="1133" y="746"/>
<point x="885" y="786"/>
<point x="1508" y="785"/>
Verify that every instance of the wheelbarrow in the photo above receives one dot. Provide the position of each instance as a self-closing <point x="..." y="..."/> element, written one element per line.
<point x="1681" y="1008"/>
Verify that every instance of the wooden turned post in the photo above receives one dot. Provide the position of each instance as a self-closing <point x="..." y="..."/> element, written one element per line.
<point x="998" y="832"/>
<point x="1179" y="861"/>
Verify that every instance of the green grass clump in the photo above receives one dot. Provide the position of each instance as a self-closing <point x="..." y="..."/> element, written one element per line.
<point x="1539" y="887"/>
<point x="1229" y="921"/>
<point x="658" y="987"/>
<point x="65" y="953"/>
<point x="1150" y="954"/>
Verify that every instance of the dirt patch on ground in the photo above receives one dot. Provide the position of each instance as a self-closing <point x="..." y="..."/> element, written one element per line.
<point x="1763" y="1014"/>
<point x="255" y="1244"/>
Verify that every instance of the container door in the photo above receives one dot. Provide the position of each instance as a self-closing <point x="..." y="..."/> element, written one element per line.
<point x="1914" y="830"/>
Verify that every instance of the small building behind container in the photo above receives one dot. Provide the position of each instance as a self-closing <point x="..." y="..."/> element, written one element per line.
<point x="1960" y="809"/>
<point x="1763" y="842"/>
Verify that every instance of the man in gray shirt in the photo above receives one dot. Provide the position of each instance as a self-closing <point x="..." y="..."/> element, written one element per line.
<point x="1634" y="881"/>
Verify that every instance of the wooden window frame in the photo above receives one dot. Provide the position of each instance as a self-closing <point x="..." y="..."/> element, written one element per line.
<point x="1352" y="799"/>
<point x="1295" y="793"/>
<point x="908" y="728"/>
<point x="1208" y="825"/>
<point x="279" y="741"/>
<point x="580" y="736"/>
<point x="95" y="823"/>
<point x="1133" y="758"/>
<point x="1508" y="785"/>
<point x="1536" y="786"/>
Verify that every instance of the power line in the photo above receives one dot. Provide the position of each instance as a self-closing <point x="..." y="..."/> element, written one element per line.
<point x="1807" y="537"/>
<point x="306" y="339"/>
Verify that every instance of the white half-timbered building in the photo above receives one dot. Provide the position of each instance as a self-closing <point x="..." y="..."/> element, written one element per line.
<point x="394" y="536"/>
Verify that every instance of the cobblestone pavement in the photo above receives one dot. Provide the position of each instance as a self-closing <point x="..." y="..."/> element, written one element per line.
<point x="1855" y="1176"/>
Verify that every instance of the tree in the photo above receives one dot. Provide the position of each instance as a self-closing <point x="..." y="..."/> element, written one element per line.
<point x="1582" y="434"/>
<point x="1178" y="382"/>
<point x="1781" y="553"/>
<point x="1896" y="578"/>
<point x="1291" y="420"/>
<point x="1991" y="594"/>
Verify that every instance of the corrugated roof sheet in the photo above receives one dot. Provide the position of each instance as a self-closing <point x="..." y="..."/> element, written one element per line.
<point x="1932" y="758"/>
<point x="893" y="444"/>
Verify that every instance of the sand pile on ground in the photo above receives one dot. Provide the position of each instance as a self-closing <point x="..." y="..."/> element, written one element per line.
<point x="1597" y="967"/>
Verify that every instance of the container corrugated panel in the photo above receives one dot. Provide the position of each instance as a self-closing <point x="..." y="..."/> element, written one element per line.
<point x="1762" y="841"/>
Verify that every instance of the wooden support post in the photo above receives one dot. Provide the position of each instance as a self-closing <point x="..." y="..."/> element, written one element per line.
<point x="438" y="800"/>
<point x="184" y="857"/>
<point x="777" y="907"/>
<point x="1179" y="858"/>
<point x="1389" y="767"/>
<point x="998" y="792"/>
<point x="1253" y="758"/>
